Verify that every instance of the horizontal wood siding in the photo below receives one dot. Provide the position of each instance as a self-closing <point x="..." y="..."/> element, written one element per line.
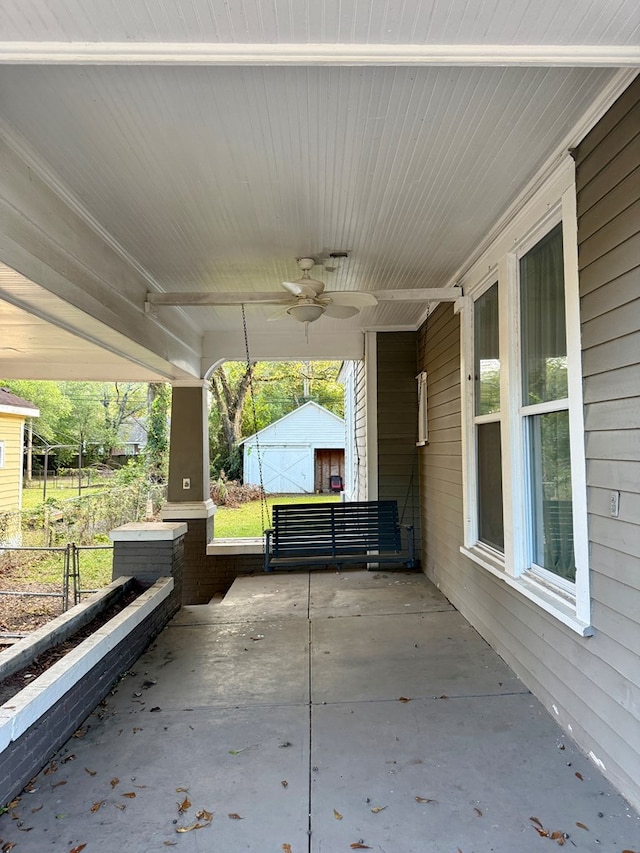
<point x="591" y="685"/>
<point x="10" y="473"/>
<point x="397" y="396"/>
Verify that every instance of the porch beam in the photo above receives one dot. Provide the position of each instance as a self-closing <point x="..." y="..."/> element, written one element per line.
<point x="163" y="53"/>
<point x="420" y="294"/>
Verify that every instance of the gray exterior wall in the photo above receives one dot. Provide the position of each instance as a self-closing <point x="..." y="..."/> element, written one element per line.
<point x="398" y="479"/>
<point x="591" y="685"/>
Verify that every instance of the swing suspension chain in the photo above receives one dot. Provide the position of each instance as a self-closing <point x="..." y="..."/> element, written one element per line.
<point x="264" y="506"/>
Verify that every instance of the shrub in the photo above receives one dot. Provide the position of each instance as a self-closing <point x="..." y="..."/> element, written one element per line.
<point x="231" y="493"/>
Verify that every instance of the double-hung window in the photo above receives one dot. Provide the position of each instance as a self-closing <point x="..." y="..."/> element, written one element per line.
<point x="525" y="490"/>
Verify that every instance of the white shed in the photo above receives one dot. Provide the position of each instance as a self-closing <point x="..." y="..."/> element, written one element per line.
<point x="300" y="452"/>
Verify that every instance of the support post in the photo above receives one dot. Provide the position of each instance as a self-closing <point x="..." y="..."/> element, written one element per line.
<point x="188" y="492"/>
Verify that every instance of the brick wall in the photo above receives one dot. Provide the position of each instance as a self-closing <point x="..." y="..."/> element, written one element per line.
<point x="24" y="757"/>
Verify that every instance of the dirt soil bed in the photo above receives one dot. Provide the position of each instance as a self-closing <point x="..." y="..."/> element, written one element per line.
<point x="14" y="683"/>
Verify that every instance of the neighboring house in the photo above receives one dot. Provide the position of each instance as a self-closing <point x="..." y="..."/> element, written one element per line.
<point x="14" y="412"/>
<point x="132" y="439"/>
<point x="297" y="453"/>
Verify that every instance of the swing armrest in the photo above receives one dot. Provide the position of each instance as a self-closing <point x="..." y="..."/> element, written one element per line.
<point x="268" y="533"/>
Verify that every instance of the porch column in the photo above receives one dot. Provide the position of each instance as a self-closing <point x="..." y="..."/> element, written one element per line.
<point x="188" y="490"/>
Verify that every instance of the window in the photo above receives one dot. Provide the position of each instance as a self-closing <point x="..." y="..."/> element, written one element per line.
<point x="488" y="450"/>
<point x="525" y="488"/>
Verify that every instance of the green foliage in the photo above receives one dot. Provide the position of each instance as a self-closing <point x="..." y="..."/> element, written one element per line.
<point x="278" y="388"/>
<point x="157" y="449"/>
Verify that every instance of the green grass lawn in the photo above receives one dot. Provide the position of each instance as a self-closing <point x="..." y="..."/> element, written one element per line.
<point x="247" y="520"/>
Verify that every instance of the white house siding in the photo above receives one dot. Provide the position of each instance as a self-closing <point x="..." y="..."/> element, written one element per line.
<point x="355" y="416"/>
<point x="591" y="685"/>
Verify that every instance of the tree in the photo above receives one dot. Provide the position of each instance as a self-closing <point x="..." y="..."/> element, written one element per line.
<point x="278" y="388"/>
<point x="157" y="449"/>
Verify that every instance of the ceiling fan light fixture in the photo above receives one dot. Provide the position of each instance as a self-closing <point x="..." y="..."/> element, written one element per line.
<point x="306" y="312"/>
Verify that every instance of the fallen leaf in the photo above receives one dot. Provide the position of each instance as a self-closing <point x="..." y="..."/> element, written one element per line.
<point x="94" y="808"/>
<point x="377" y="809"/>
<point x="37" y="809"/>
<point x="284" y="783"/>
<point x="444" y="697"/>
<point x="537" y="821"/>
<point x="580" y="777"/>
<point x="184" y="805"/>
<point x="191" y="827"/>
<point x="425" y="800"/>
<point x="235" y="816"/>
<point x="57" y="784"/>
<point x="403" y="699"/>
<point x="90" y="772"/>
<point x="115" y="781"/>
<point x="8" y="846"/>
<point x="203" y="814"/>
<point x="180" y="791"/>
<point x="120" y="806"/>
<point x="68" y="758"/>
<point x="60" y="816"/>
<point x="130" y="795"/>
<point x="136" y="729"/>
<point x="78" y="848"/>
<point x="169" y="843"/>
<point x="359" y="846"/>
<point x="629" y="851"/>
<point x="79" y="733"/>
<point x="337" y="815"/>
<point x="286" y="848"/>
<point x="52" y="768"/>
<point x="581" y="826"/>
<point x="257" y="637"/>
<point x="477" y="811"/>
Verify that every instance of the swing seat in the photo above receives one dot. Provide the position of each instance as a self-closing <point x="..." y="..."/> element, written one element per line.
<point x="323" y="534"/>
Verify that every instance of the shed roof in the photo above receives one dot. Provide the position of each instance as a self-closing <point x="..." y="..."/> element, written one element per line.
<point x="294" y="414"/>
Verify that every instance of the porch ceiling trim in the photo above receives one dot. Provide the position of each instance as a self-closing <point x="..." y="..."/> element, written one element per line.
<point x="163" y="53"/>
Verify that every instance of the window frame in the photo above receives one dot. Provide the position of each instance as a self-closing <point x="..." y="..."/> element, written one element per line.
<point x="553" y="203"/>
<point x="2" y="454"/>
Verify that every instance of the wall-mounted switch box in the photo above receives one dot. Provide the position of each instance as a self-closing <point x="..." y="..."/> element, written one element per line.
<point x="186" y="483"/>
<point x="614" y="504"/>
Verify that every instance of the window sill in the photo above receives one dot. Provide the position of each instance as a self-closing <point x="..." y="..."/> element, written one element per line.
<point x="555" y="603"/>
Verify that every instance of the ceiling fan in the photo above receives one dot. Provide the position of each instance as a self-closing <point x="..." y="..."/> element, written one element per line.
<point x="309" y="300"/>
<point x="306" y="300"/>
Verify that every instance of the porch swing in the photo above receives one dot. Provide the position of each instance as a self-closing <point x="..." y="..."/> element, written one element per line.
<point x="323" y="534"/>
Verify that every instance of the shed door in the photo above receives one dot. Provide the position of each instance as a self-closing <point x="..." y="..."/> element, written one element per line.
<point x="287" y="470"/>
<point x="328" y="463"/>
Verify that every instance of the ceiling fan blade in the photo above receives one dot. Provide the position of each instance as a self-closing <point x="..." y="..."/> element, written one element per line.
<point x="340" y="312"/>
<point x="304" y="286"/>
<point x="281" y="312"/>
<point x="357" y="298"/>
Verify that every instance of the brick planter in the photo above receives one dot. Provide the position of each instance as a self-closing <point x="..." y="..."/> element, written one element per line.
<point x="42" y="716"/>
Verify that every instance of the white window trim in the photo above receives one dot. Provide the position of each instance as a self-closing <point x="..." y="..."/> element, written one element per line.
<point x="2" y="454"/>
<point x="570" y="603"/>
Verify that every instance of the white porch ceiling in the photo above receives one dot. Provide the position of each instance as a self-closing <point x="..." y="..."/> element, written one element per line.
<point x="205" y="173"/>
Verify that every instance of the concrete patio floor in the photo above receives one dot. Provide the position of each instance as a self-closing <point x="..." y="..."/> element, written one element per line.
<point x="317" y="714"/>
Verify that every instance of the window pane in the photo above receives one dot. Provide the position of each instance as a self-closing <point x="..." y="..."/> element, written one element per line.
<point x="544" y="339"/>
<point x="551" y="494"/>
<point x="486" y="353"/>
<point x="490" y="520"/>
